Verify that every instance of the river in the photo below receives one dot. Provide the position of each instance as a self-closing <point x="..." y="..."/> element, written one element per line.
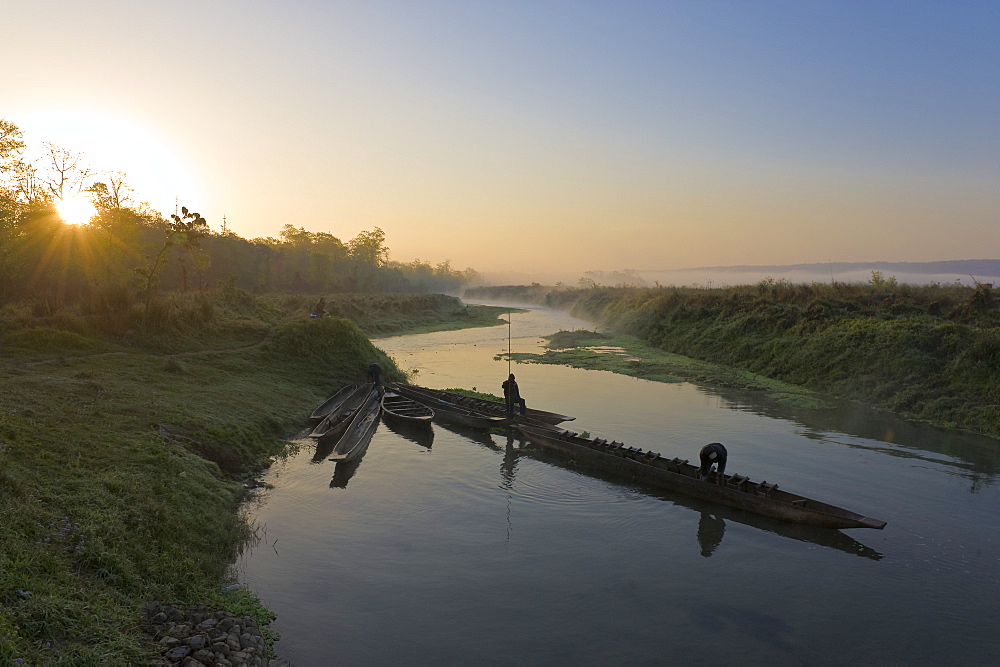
<point x="465" y="548"/>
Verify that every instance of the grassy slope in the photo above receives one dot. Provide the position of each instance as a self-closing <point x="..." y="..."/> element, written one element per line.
<point x="628" y="355"/>
<point x="928" y="353"/>
<point x="120" y="474"/>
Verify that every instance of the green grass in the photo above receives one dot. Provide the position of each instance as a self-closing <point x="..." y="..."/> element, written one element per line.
<point x="927" y="353"/>
<point x="628" y="355"/>
<point x="122" y="464"/>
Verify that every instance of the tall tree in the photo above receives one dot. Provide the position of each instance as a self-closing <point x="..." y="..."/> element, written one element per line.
<point x="369" y="248"/>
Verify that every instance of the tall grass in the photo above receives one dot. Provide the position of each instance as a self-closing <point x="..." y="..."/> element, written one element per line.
<point x="925" y="352"/>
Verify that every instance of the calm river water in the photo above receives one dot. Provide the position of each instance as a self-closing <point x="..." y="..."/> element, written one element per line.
<point x="462" y="548"/>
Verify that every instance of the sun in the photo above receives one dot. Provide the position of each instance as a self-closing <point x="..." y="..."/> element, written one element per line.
<point x="109" y="142"/>
<point x="75" y="209"/>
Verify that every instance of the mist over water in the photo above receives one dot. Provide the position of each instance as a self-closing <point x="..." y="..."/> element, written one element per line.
<point x="465" y="547"/>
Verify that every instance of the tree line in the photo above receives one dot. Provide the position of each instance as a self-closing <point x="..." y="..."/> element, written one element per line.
<point x="127" y="246"/>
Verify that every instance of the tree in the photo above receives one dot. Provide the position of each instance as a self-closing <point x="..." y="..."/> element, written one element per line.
<point x="65" y="173"/>
<point x="185" y="231"/>
<point x="369" y="248"/>
<point x="11" y="143"/>
<point x="112" y="194"/>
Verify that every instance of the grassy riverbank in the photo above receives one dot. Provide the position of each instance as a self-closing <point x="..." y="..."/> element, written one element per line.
<point x="928" y="353"/>
<point x="628" y="355"/>
<point x="123" y="459"/>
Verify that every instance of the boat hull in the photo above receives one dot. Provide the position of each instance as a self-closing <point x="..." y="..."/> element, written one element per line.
<point x="532" y="415"/>
<point x="682" y="477"/>
<point x="359" y="431"/>
<point x="402" y="409"/>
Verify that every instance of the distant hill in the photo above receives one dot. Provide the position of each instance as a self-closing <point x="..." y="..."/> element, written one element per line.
<point x="965" y="271"/>
<point x="984" y="267"/>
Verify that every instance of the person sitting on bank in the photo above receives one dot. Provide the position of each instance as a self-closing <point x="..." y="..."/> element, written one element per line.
<point x="319" y="310"/>
<point x="375" y="374"/>
<point x="713" y="454"/>
<point x="512" y="396"/>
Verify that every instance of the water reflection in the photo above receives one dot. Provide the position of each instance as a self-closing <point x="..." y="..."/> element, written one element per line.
<point x="421" y="434"/>
<point x="476" y="435"/>
<point x="976" y="454"/>
<point x="710" y="531"/>
<point x="323" y="449"/>
<point x="343" y="471"/>
<point x="711" y="526"/>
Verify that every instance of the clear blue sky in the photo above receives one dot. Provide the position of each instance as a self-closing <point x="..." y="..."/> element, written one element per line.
<point x="569" y="135"/>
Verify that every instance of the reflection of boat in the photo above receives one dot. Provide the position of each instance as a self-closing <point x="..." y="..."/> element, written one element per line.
<point x="474" y="434"/>
<point x="334" y="423"/>
<point x="360" y="429"/>
<point x="710" y="533"/>
<point x="402" y="409"/>
<point x="332" y="403"/>
<point x="343" y="472"/>
<point x="419" y="433"/>
<point x="680" y="476"/>
<point x="481" y="405"/>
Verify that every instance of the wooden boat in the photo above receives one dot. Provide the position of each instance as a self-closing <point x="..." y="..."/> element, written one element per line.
<point x="682" y="477"/>
<point x="399" y="407"/>
<point x="456" y="415"/>
<point x="531" y="416"/>
<point x="360" y="429"/>
<point x="334" y="423"/>
<point x="332" y="403"/>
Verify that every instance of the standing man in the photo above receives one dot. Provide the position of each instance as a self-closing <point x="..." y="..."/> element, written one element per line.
<point x="512" y="396"/>
<point x="713" y="454"/>
<point x="375" y="376"/>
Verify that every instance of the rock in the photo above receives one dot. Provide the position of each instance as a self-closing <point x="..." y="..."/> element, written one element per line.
<point x="159" y="618"/>
<point x="177" y="653"/>
<point x="205" y="657"/>
<point x="196" y="642"/>
<point x="170" y="642"/>
<point x="210" y="622"/>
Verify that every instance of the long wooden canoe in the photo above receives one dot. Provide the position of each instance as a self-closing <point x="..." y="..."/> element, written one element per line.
<point x="461" y="416"/>
<point x="399" y="407"/>
<point x="359" y="431"/>
<point x="447" y="398"/>
<point x="682" y="477"/>
<point x="333" y="403"/>
<point x="334" y="423"/>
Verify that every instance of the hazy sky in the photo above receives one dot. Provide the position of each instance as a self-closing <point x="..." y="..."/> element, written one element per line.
<point x="539" y="135"/>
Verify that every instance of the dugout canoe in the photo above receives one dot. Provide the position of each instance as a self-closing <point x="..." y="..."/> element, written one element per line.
<point x="334" y="423"/>
<point x="354" y="441"/>
<point x="447" y="398"/>
<point x="333" y="403"/>
<point x="682" y="477"/>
